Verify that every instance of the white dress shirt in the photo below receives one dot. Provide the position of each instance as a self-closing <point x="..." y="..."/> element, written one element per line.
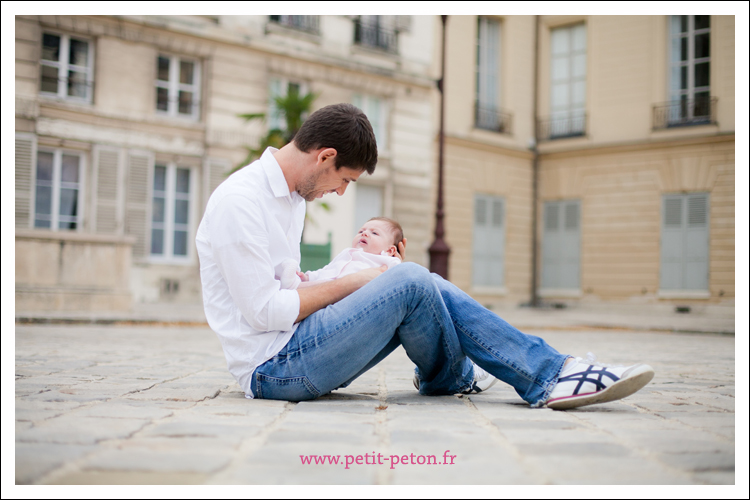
<point x="251" y="225"/>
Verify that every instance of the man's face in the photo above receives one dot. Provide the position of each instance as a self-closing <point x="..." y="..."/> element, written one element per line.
<point x="375" y="237"/>
<point x="327" y="180"/>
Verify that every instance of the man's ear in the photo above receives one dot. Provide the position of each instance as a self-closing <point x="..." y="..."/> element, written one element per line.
<point x="326" y="155"/>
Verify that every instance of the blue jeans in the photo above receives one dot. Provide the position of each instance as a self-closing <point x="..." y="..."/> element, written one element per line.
<point x="441" y="328"/>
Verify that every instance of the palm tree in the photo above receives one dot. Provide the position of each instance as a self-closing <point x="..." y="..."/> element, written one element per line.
<point x="293" y="108"/>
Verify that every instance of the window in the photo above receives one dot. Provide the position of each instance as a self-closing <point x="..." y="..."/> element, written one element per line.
<point x="281" y="87"/>
<point x="309" y="24"/>
<point x="177" y="86"/>
<point x="376" y="110"/>
<point x="66" y="67"/>
<point x="690" y="69"/>
<point x="58" y="188"/>
<point x="561" y="244"/>
<point x="487" y="113"/>
<point x="368" y="204"/>
<point x="375" y="32"/>
<point x="568" y="85"/>
<point x="684" y="242"/>
<point x="171" y="209"/>
<point x="488" y="246"/>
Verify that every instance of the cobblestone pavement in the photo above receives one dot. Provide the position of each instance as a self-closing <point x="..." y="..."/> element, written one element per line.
<point x="156" y="405"/>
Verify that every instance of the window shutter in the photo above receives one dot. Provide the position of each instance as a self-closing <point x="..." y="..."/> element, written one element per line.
<point x="488" y="263"/>
<point x="671" y="243"/>
<point x="696" y="243"/>
<point x="25" y="165"/>
<point x="140" y="166"/>
<point x="215" y="171"/>
<point x="108" y="181"/>
<point x="570" y="270"/>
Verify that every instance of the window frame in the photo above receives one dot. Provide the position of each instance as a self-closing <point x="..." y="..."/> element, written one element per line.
<point x="63" y="67"/>
<point x="275" y="120"/>
<point x="56" y="185"/>
<point x="174" y="87"/>
<point x="574" y="116"/>
<point x="483" y="71"/>
<point x="167" y="256"/>
<point x="364" y="102"/>
<point x="675" y="93"/>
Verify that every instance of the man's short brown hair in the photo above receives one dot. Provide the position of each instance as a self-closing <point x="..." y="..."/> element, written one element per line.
<point x="345" y="128"/>
<point x="396" y="229"/>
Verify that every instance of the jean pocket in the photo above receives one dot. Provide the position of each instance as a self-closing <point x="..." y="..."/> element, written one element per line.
<point x="285" y="389"/>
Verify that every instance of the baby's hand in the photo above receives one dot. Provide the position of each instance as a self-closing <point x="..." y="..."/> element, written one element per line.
<point x="302" y="276"/>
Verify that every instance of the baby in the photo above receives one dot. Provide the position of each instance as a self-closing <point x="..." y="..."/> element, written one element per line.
<point x="374" y="245"/>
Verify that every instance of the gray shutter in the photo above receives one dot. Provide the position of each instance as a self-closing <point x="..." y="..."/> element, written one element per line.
<point x="24" y="178"/>
<point x="696" y="242"/>
<point x="107" y="171"/>
<point x="137" y="199"/>
<point x="480" y="241"/>
<point x="215" y="171"/>
<point x="551" y="241"/>
<point x="570" y="271"/>
<point x="672" y="242"/>
<point x="488" y="241"/>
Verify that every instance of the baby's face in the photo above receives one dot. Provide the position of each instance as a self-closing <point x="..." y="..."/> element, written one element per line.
<point x="375" y="237"/>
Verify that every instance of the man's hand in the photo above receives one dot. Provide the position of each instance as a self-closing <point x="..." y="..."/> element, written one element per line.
<point x="402" y="249"/>
<point x="315" y="298"/>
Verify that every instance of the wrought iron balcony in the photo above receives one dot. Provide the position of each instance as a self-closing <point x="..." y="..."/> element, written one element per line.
<point x="308" y="24"/>
<point x="375" y="36"/>
<point x="561" y="128"/>
<point x="684" y="113"/>
<point x="490" y="118"/>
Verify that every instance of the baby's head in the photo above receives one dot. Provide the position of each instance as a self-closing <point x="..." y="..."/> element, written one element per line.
<point x="379" y="234"/>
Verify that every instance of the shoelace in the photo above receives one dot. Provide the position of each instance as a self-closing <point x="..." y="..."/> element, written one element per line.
<point x="479" y="374"/>
<point x="591" y="360"/>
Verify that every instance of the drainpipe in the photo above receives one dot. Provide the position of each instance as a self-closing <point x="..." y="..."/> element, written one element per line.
<point x="535" y="174"/>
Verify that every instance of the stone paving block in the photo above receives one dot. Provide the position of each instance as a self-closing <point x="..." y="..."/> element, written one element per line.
<point x="65" y="395"/>
<point x="497" y="469"/>
<point x="131" y="459"/>
<point x="715" y="477"/>
<point x="117" y="408"/>
<point x="317" y="406"/>
<point x="34" y="460"/>
<point x="700" y="462"/>
<point x="260" y="473"/>
<point x="673" y="440"/>
<point x="360" y="435"/>
<point x="178" y="392"/>
<point x="80" y="430"/>
<point x="194" y="428"/>
<point x="129" y="478"/>
<point x="559" y="469"/>
<point x="710" y="420"/>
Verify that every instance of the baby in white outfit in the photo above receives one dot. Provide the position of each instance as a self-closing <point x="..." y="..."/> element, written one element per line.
<point x="374" y="245"/>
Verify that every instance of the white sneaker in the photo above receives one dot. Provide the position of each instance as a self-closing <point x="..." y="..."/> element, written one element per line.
<point x="588" y="382"/>
<point x="482" y="381"/>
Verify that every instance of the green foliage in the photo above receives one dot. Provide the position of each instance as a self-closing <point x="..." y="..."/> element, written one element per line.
<point x="292" y="107"/>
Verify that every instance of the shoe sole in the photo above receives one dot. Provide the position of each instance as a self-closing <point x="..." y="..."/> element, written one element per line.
<point x="623" y="388"/>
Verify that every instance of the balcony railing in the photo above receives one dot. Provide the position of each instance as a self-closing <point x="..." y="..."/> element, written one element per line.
<point x="490" y="118"/>
<point x="375" y="36"/>
<point x="308" y="24"/>
<point x="684" y="113"/>
<point x="561" y="128"/>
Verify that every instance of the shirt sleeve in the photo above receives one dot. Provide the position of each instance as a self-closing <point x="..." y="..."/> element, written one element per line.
<point x="241" y="248"/>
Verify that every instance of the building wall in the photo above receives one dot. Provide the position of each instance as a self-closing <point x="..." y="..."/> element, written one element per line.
<point x="122" y="136"/>
<point x="620" y="190"/>
<point x="619" y="169"/>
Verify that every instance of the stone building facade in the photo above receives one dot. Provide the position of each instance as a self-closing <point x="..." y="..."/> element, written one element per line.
<point x="126" y="124"/>
<point x="630" y="121"/>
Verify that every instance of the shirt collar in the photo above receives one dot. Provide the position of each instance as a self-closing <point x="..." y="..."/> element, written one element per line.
<point x="274" y="174"/>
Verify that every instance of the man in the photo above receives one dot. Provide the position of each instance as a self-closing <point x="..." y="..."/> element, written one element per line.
<point x="299" y="344"/>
